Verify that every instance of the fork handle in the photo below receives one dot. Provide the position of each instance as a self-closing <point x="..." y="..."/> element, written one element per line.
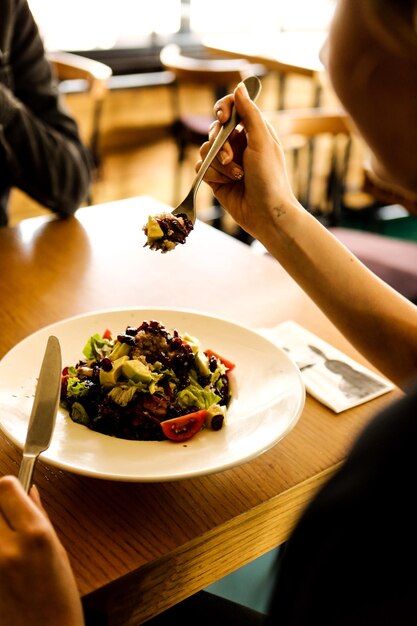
<point x="253" y="85"/>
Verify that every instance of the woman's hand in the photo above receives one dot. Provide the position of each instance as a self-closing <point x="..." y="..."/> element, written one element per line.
<point x="249" y="175"/>
<point x="37" y="586"/>
<point x="250" y="180"/>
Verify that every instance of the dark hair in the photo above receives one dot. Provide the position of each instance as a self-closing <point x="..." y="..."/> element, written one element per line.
<point x="396" y="22"/>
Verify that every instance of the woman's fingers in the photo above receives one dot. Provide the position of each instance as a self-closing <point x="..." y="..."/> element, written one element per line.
<point x="223" y="108"/>
<point x="229" y="159"/>
<point x="225" y="155"/>
<point x="35" y="496"/>
<point x="251" y="117"/>
<point x="219" y="172"/>
<point x="253" y="132"/>
<point x="16" y="509"/>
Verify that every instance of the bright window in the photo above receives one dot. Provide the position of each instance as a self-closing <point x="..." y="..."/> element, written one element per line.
<point x="103" y="24"/>
<point x="259" y="16"/>
<point x="233" y="16"/>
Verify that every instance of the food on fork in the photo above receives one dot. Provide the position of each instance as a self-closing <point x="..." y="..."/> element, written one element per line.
<point x="165" y="231"/>
<point x="149" y="383"/>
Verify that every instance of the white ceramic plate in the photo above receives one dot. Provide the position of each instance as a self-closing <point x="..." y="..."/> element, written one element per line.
<point x="268" y="400"/>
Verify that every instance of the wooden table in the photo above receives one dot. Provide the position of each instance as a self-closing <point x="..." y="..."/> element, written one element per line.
<point x="286" y="53"/>
<point x="139" y="548"/>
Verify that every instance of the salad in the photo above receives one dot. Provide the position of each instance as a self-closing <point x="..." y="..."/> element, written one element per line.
<point x="165" y="231"/>
<point x="149" y="383"/>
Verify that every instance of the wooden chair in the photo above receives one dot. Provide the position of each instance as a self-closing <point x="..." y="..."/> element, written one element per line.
<point x="392" y="259"/>
<point x="94" y="76"/>
<point x="68" y="67"/>
<point x="190" y="128"/>
<point x="319" y="141"/>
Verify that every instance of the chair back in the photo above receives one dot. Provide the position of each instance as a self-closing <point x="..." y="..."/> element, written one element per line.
<point x="319" y="141"/>
<point x="198" y="83"/>
<point x="68" y="66"/>
<point x="311" y="122"/>
<point x="204" y="71"/>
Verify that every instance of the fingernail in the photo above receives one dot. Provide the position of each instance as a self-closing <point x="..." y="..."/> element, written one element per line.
<point x="237" y="173"/>
<point x="219" y="114"/>
<point x="35" y="492"/>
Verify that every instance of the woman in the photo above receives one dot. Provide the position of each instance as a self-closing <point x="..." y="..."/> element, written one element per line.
<point x="372" y="61"/>
<point x="349" y="559"/>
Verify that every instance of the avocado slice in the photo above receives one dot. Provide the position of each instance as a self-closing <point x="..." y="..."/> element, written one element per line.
<point x="109" y="379"/>
<point x="153" y="229"/>
<point x="193" y="342"/>
<point x="137" y="371"/>
<point x="120" y="349"/>
<point x="202" y="363"/>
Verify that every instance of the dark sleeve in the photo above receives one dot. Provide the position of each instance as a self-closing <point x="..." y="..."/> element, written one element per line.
<point x="42" y="149"/>
<point x="351" y="559"/>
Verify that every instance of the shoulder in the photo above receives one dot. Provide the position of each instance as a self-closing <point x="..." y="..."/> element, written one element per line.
<point x="17" y="26"/>
<point x="396" y="423"/>
<point x="349" y="557"/>
<point x="380" y="462"/>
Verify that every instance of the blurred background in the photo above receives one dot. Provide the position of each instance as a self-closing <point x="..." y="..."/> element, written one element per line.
<point x="135" y="126"/>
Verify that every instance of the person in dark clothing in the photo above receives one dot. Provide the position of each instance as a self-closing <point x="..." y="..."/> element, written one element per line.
<point x="351" y="557"/>
<point x="40" y="149"/>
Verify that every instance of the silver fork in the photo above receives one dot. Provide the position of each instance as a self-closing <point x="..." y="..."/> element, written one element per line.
<point x="188" y="205"/>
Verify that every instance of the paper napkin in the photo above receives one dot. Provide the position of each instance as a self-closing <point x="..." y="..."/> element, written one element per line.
<point x="329" y="375"/>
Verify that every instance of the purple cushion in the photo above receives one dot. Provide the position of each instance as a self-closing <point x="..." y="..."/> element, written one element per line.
<point x="198" y="124"/>
<point x="393" y="260"/>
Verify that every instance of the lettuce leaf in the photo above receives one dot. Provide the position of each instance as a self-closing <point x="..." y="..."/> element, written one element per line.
<point x="77" y="388"/>
<point x="195" y="395"/>
<point x="97" y="348"/>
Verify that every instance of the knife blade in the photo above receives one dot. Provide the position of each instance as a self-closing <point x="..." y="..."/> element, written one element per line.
<point x="44" y="410"/>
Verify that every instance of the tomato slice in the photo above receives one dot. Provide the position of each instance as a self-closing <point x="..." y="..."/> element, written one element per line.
<point x="107" y="334"/>
<point x="184" y="427"/>
<point x="228" y="364"/>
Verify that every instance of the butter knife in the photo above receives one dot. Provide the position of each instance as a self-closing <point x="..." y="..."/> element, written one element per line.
<point x="44" y="410"/>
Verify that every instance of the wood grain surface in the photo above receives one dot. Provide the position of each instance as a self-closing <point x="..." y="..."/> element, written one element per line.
<point x="139" y="548"/>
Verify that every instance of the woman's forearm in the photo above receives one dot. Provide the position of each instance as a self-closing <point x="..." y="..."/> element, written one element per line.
<point x="377" y="320"/>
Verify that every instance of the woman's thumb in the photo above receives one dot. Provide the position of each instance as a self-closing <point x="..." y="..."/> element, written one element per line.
<point x="250" y="115"/>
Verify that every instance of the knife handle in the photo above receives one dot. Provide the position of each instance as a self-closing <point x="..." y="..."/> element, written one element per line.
<point x="26" y="471"/>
